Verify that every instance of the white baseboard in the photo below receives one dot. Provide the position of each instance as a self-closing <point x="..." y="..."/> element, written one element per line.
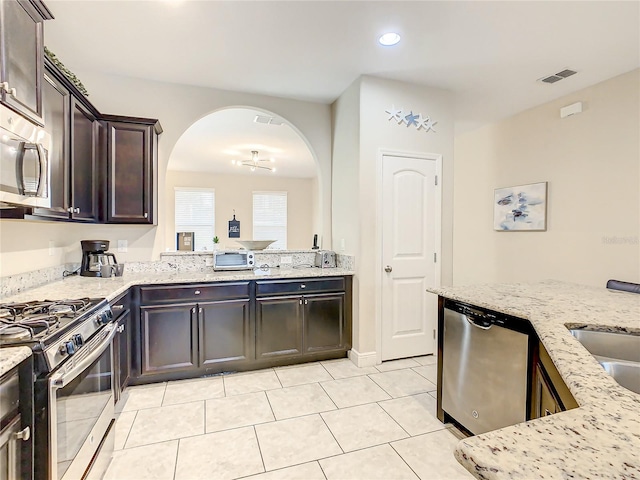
<point x="368" y="359"/>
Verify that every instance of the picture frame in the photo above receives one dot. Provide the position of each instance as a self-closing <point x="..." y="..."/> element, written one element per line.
<point x="522" y="208"/>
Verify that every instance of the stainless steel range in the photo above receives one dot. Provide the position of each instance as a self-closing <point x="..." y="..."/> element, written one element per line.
<point x="71" y="342"/>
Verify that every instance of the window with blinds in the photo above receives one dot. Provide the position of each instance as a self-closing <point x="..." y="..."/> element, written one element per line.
<point x="195" y="212"/>
<point x="270" y="218"/>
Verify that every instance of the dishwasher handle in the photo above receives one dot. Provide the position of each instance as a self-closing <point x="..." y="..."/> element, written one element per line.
<point x="480" y="322"/>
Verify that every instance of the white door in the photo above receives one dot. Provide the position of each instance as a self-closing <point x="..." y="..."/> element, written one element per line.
<point x="409" y="229"/>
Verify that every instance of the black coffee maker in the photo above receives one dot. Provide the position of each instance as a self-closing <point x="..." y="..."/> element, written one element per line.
<point x="94" y="256"/>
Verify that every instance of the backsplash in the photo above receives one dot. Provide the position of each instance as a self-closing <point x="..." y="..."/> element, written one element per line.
<point x="13" y="284"/>
<point x="169" y="262"/>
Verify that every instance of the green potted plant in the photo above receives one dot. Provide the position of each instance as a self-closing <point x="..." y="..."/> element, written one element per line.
<point x="216" y="242"/>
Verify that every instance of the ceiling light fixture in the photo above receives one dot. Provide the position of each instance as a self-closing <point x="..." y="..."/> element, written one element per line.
<point x="255" y="162"/>
<point x="389" y="39"/>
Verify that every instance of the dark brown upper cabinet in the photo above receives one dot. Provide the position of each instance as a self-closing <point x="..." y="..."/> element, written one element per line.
<point x="77" y="140"/>
<point x="21" y="56"/>
<point x="103" y="167"/>
<point x="131" y="185"/>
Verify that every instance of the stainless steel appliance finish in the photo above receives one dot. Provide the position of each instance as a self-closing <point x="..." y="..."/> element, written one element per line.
<point x="87" y="380"/>
<point x="73" y="367"/>
<point x="325" y="259"/>
<point x="233" y="260"/>
<point x="484" y="369"/>
<point x="24" y="162"/>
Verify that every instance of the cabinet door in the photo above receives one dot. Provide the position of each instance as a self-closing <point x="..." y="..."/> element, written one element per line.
<point x="130" y="173"/>
<point x="84" y="165"/>
<point x="225" y="332"/>
<point x="323" y="322"/>
<point x="21" y="52"/>
<point x="169" y="338"/>
<point x="56" y="102"/>
<point x="545" y="401"/>
<point x="278" y="327"/>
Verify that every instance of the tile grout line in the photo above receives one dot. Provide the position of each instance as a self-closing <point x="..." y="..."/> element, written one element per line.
<point x="124" y="445"/>
<point x="331" y="432"/>
<point x="327" y="394"/>
<point x="275" y="419"/>
<point x="255" y="432"/>
<point x="405" y="462"/>
<point x="175" y="465"/>
<point x="394" y="420"/>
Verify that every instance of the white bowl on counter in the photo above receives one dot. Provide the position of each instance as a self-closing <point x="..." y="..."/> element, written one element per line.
<point x="255" y="245"/>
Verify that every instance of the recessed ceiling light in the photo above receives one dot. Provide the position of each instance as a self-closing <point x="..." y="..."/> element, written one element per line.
<point x="389" y="39"/>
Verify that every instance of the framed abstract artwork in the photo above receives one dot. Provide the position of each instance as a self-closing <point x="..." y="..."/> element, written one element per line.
<point x="520" y="208"/>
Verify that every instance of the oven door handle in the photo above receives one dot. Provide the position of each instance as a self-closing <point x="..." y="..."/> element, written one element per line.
<point x="61" y="380"/>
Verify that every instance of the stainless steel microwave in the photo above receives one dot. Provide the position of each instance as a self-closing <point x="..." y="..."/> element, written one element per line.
<point x="24" y="161"/>
<point x="233" y="260"/>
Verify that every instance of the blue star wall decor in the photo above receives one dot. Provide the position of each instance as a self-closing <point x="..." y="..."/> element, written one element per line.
<point x="417" y="120"/>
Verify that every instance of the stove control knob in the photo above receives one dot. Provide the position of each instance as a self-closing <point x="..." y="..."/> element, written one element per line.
<point x="78" y="340"/>
<point x="104" y="317"/>
<point x="67" y="348"/>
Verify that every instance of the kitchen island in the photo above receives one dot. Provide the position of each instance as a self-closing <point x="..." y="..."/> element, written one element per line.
<point x="600" y="438"/>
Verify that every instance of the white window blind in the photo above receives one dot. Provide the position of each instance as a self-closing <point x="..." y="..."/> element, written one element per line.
<point x="195" y="212"/>
<point x="270" y="218"/>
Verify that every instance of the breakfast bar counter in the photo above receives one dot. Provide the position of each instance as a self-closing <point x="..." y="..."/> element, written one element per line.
<point x="600" y="438"/>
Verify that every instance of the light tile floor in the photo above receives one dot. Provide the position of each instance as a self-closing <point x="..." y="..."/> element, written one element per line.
<point x="327" y="420"/>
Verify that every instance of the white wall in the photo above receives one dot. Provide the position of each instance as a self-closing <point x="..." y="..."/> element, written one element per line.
<point x="236" y="192"/>
<point x="25" y="247"/>
<point x="592" y="163"/>
<point x="357" y="195"/>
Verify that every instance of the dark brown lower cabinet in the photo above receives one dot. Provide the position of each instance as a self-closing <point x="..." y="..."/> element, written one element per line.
<point x="324" y="322"/>
<point x="225" y="334"/>
<point x="278" y="327"/>
<point x="190" y="330"/>
<point x="169" y="338"/>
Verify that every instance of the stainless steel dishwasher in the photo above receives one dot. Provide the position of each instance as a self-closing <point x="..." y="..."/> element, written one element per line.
<point x="485" y="379"/>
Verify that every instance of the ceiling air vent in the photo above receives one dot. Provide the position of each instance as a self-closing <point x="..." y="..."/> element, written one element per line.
<point x="267" y="120"/>
<point x="556" y="77"/>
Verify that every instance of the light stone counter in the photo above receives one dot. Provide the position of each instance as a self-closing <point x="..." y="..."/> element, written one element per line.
<point x="600" y="438"/>
<point x="11" y="357"/>
<point x="110" y="288"/>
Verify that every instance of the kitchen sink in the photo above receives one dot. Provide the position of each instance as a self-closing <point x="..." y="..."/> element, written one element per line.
<point x="618" y="353"/>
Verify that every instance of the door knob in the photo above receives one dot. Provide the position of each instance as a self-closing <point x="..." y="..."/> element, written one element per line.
<point x="388" y="269"/>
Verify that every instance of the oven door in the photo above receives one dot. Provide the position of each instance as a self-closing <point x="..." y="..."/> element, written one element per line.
<point x="81" y="407"/>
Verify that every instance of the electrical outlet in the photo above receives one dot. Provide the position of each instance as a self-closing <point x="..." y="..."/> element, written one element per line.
<point x="52" y="248"/>
<point x="123" y="246"/>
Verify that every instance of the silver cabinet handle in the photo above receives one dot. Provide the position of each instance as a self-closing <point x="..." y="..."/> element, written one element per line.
<point x="302" y="285"/>
<point x="77" y="210"/>
<point x="193" y="310"/>
<point x="146" y="215"/>
<point x="24" y="434"/>
<point x="200" y="311"/>
<point x="300" y="301"/>
<point x="13" y="92"/>
<point x="70" y="210"/>
<point x="4" y="86"/>
<point x="117" y="308"/>
<point x="197" y="292"/>
<point x="388" y="269"/>
<point x="306" y="302"/>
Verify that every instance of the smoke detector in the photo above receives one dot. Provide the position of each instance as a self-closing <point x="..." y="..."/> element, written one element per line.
<point x="556" y="77"/>
<point x="267" y="120"/>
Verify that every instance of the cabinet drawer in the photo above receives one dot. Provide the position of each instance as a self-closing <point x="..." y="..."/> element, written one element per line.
<point x="299" y="286"/>
<point x="197" y="293"/>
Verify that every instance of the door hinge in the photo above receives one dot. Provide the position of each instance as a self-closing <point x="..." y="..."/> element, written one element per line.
<point x="436" y="180"/>
<point x="435" y="257"/>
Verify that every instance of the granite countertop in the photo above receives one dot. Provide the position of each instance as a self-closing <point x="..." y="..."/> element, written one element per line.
<point x="11" y="357"/>
<point x="600" y="438"/>
<point x="110" y="288"/>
